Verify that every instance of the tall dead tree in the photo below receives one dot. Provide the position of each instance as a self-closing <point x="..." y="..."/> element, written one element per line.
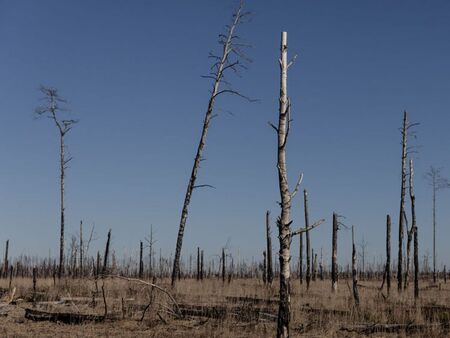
<point x="284" y="222"/>
<point x="141" y="260"/>
<point x="5" y="261"/>
<point x="437" y="183"/>
<point x="269" y="273"/>
<point x="198" y="263"/>
<point x="105" y="258"/>
<point x="334" y="266"/>
<point x="308" y="242"/>
<point x="300" y="260"/>
<point x="354" y="272"/>
<point x="81" y="249"/>
<point x="52" y="108"/>
<point x="223" y="265"/>
<point x="388" y="253"/>
<point x="414" y="230"/>
<point x="150" y="242"/>
<point x="230" y="60"/>
<point x="402" y="202"/>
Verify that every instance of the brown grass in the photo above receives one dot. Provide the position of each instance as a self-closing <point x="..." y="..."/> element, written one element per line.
<point x="315" y="313"/>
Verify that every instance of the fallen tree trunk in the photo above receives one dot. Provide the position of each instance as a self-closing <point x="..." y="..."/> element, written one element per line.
<point x="390" y="328"/>
<point x="63" y="317"/>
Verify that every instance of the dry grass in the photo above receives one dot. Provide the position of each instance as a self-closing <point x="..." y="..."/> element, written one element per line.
<point x="312" y="314"/>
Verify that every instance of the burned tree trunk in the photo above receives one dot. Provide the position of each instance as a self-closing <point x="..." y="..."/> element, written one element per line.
<point x="314" y="272"/>
<point x="354" y="272"/>
<point x="334" y="266"/>
<point x="81" y="249"/>
<point x="300" y="262"/>
<point x="414" y="231"/>
<point x="198" y="263"/>
<point x="5" y="262"/>
<point x="264" y="268"/>
<point x="388" y="253"/>
<point x="402" y="203"/>
<point x="308" y="242"/>
<point x="223" y="265"/>
<point x="105" y="258"/>
<point x="141" y="260"/>
<point x="222" y="64"/>
<point x="201" y="265"/>
<point x="269" y="273"/>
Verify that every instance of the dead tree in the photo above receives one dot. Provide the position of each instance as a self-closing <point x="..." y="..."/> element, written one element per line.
<point x="414" y="231"/>
<point x="354" y="272"/>
<point x="5" y="261"/>
<point x="198" y="263"/>
<point x="284" y="222"/>
<point x="150" y="242"/>
<point x="52" y="108"/>
<point x="105" y="258"/>
<point x="334" y="266"/>
<point x="223" y="64"/>
<point x="223" y="265"/>
<point x="314" y="272"/>
<point x="201" y="265"/>
<point x="264" y="267"/>
<point x="308" y="241"/>
<point x="321" y="265"/>
<point x="437" y="183"/>
<point x="402" y="202"/>
<point x="269" y="273"/>
<point x="388" y="253"/>
<point x="300" y="260"/>
<point x="81" y="249"/>
<point x="141" y="260"/>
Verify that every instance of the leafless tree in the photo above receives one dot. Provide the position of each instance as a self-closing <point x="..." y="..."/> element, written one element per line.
<point x="402" y="202"/>
<point x="53" y="109"/>
<point x="284" y="222"/>
<point x="150" y="243"/>
<point x="269" y="273"/>
<point x="232" y="59"/>
<point x="437" y="182"/>
<point x="354" y="274"/>
<point x="414" y="230"/>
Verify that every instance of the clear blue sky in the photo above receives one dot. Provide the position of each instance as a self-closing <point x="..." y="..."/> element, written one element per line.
<point x="131" y="71"/>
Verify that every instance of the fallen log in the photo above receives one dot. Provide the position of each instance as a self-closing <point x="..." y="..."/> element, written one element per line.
<point x="390" y="328"/>
<point x="241" y="313"/>
<point x="63" y="317"/>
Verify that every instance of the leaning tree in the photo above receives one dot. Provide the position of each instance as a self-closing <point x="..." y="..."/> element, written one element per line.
<point x="53" y="108"/>
<point x="231" y="60"/>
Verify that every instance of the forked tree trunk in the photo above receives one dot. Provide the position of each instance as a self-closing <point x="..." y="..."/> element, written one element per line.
<point x="308" y="242"/>
<point x="354" y="272"/>
<point x="334" y="266"/>
<point x="269" y="250"/>
<point x="221" y="66"/>
<point x="402" y="203"/>
<point x="284" y="218"/>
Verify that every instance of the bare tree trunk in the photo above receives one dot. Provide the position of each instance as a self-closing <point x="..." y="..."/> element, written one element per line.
<point x="98" y="264"/>
<point x="81" y="249"/>
<point x="414" y="231"/>
<point x="284" y="219"/>
<point x="334" y="266"/>
<point x="434" y="234"/>
<point x="198" y="263"/>
<point x="61" y="238"/>
<point x="201" y="265"/>
<point x="308" y="242"/>
<point x="5" y="262"/>
<point x="223" y="265"/>
<point x="300" y="263"/>
<point x="269" y="250"/>
<point x="321" y="265"/>
<point x="354" y="272"/>
<point x="402" y="202"/>
<point x="222" y="65"/>
<point x="264" y="268"/>
<point x="105" y="258"/>
<point x="314" y="273"/>
<point x="388" y="253"/>
<point x="141" y="260"/>
<point x="445" y="273"/>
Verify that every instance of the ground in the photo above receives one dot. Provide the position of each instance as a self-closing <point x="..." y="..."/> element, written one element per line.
<point x="213" y="308"/>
